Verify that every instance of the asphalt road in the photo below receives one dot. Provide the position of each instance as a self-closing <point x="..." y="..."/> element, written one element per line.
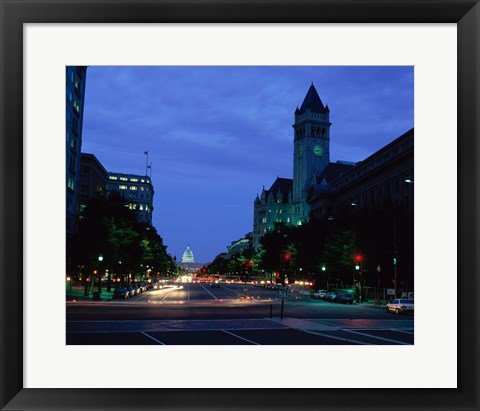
<point x="231" y="314"/>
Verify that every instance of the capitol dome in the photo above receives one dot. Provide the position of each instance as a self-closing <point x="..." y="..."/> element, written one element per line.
<point x="188" y="256"/>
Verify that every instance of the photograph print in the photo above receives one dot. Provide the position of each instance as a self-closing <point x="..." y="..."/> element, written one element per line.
<point x="228" y="205"/>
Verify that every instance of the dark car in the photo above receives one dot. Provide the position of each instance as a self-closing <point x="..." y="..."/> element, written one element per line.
<point x="344" y="298"/>
<point x="131" y="290"/>
<point x="214" y="284"/>
<point x="120" y="293"/>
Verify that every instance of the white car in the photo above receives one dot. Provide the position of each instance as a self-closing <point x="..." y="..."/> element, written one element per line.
<point x="319" y="294"/>
<point x="400" y="305"/>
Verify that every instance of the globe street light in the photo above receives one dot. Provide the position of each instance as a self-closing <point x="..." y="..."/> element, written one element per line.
<point x="100" y="259"/>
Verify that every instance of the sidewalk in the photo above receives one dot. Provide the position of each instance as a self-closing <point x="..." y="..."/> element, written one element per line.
<point x="77" y="294"/>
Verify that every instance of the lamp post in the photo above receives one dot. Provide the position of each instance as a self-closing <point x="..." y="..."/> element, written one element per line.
<point x="100" y="259"/>
<point x="377" y="301"/>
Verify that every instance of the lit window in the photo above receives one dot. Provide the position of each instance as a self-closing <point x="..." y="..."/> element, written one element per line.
<point x="122" y="187"/>
<point x="143" y="180"/>
<point x="146" y="207"/>
<point x="76" y="104"/>
<point x="288" y="219"/>
<point x="113" y="177"/>
<point x="134" y="180"/>
<point x="123" y="179"/>
<point x="142" y="188"/>
<point x="141" y="206"/>
<point x="133" y="188"/>
<point x="264" y="219"/>
<point x="133" y="206"/>
<point x="71" y="183"/>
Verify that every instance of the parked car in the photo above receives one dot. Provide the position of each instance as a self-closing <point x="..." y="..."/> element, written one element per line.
<point x="131" y="290"/>
<point x="319" y="294"/>
<point x="330" y="296"/>
<point x="120" y="293"/>
<point x="143" y="286"/>
<point x="344" y="298"/>
<point x="400" y="305"/>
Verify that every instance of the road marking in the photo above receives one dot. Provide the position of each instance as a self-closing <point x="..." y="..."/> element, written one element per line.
<point x="209" y="292"/>
<point x="336" y="338"/>
<point x="403" y="331"/>
<point x="237" y="336"/>
<point x="378" y="338"/>
<point x="154" y="339"/>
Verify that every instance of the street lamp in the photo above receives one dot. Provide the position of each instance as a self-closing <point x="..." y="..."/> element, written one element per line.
<point x="377" y="302"/>
<point x="100" y="259"/>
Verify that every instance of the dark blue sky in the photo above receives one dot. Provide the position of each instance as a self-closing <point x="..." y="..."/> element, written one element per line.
<point x="216" y="135"/>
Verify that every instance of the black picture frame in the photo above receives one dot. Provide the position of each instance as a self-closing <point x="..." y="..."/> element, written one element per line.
<point x="14" y="13"/>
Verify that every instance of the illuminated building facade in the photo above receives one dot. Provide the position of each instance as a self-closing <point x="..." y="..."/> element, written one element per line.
<point x="137" y="191"/>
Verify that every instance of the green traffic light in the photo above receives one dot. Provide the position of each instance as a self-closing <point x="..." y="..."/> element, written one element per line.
<point x="394" y="261"/>
<point x="323" y="268"/>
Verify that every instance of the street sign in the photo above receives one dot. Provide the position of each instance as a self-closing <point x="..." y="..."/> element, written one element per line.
<point x="283" y="291"/>
<point x="390" y="291"/>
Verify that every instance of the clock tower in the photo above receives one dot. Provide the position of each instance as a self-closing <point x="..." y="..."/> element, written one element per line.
<point x="311" y="152"/>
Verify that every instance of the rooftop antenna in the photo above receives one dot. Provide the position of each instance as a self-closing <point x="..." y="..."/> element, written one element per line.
<point x="146" y="164"/>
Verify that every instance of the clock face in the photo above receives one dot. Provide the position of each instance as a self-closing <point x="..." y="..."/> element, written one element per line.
<point x="300" y="151"/>
<point x="318" y="151"/>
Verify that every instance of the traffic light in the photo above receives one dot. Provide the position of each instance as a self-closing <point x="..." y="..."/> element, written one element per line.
<point x="287" y="256"/>
<point x="323" y="267"/>
<point x="394" y="260"/>
<point x="358" y="258"/>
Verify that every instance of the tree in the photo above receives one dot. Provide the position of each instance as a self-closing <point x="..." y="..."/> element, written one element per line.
<point x="108" y="228"/>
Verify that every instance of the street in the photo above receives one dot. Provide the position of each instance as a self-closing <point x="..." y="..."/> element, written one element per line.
<point x="197" y="314"/>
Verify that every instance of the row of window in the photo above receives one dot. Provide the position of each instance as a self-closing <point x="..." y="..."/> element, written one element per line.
<point x="131" y="179"/>
<point x="314" y="131"/>
<point x="132" y="188"/>
<point x="277" y="220"/>
<point x="140" y="207"/>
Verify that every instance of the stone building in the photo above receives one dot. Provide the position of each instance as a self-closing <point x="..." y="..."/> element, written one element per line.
<point x="319" y="188"/>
